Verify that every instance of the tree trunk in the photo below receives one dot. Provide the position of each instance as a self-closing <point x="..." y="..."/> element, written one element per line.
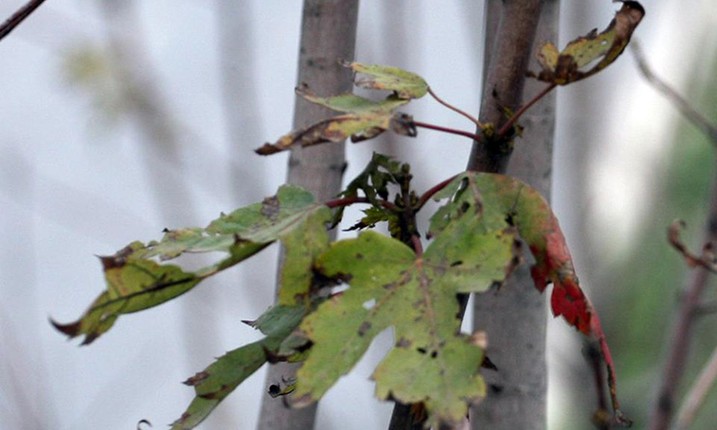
<point x="514" y="316"/>
<point x="328" y="33"/>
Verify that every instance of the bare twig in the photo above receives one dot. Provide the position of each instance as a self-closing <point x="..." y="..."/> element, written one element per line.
<point x="18" y="17"/>
<point x="475" y="137"/>
<point x="516" y="116"/>
<point x="706" y="260"/>
<point x="690" y="306"/>
<point x="663" y="409"/>
<point x="433" y="190"/>
<point x="470" y="117"/>
<point x="697" y="393"/>
<point x="680" y="102"/>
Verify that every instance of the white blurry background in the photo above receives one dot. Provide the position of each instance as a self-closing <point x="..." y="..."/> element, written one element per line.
<point x="83" y="172"/>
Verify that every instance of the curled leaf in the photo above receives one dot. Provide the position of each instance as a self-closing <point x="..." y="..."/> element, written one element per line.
<point x="358" y="127"/>
<point x="568" y="66"/>
<point x="362" y="118"/>
<point x="538" y="227"/>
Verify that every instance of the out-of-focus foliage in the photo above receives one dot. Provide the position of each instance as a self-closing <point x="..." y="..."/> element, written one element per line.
<point x="646" y="285"/>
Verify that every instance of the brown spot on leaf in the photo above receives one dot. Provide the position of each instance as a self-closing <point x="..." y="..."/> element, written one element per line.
<point x="403" y="343"/>
<point x="71" y="329"/>
<point x="197" y="379"/>
<point x="270" y="207"/>
<point x="403" y="124"/>
<point x="117" y="260"/>
<point x="363" y="328"/>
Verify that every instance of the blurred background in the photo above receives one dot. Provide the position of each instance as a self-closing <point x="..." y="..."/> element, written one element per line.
<point x="121" y="118"/>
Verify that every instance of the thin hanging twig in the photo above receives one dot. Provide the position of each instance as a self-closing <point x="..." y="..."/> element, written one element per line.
<point x="690" y="305"/>
<point x="470" y="117"/>
<point x="696" y="396"/>
<point x="675" y="98"/>
<point x="18" y="17"/>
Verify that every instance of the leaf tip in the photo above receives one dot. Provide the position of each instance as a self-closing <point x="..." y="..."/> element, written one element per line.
<point x="197" y="379"/>
<point x="70" y="330"/>
<point x="267" y="149"/>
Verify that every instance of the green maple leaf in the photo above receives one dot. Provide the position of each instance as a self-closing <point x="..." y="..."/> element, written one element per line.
<point x="390" y="286"/>
<point x="138" y="278"/>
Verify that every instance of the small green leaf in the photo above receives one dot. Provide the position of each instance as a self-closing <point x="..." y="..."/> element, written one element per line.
<point x="406" y="85"/>
<point x="568" y="66"/>
<point x="351" y="103"/>
<point x="216" y="382"/>
<point x="136" y="281"/>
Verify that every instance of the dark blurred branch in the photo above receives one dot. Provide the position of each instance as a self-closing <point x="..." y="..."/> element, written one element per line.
<point x="690" y="305"/>
<point x="677" y="100"/>
<point x="706" y="260"/>
<point x="18" y="17"/>
<point x="689" y="308"/>
<point x="696" y="395"/>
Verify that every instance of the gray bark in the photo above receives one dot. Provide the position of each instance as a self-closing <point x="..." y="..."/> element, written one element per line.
<point x="514" y="317"/>
<point x="328" y="33"/>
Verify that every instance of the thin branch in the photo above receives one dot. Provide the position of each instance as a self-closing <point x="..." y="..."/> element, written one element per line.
<point x="514" y="118"/>
<point x="689" y="308"/>
<point x="601" y="418"/>
<point x="674" y="367"/>
<point x="18" y="17"/>
<point x="706" y="308"/>
<point x="433" y="190"/>
<point x="673" y="96"/>
<point x="470" y="117"/>
<point x="696" y="396"/>
<point x="706" y="260"/>
<point x="475" y="137"/>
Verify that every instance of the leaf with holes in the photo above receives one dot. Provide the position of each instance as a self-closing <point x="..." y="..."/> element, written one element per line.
<point x="390" y="286"/>
<point x="602" y="49"/>
<point x="137" y="277"/>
